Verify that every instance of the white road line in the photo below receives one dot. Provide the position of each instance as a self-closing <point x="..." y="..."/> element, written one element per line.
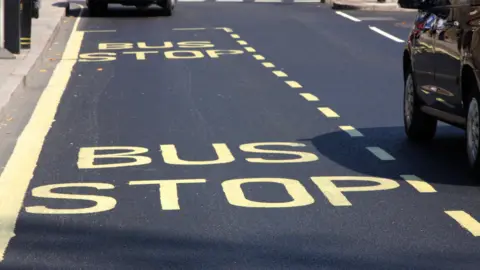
<point x="306" y="1"/>
<point x="385" y="34"/>
<point x="380" y="153"/>
<point x="345" y="15"/>
<point x="351" y="131"/>
<point x="236" y="1"/>
<point x="188" y="29"/>
<point x="19" y="170"/>
<point x="268" y="1"/>
<point x="191" y="0"/>
<point x="419" y="184"/>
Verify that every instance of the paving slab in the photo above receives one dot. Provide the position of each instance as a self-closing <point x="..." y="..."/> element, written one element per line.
<point x="13" y="71"/>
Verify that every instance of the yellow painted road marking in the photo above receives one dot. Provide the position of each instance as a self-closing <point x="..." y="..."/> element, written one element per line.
<point x="380" y="153"/>
<point x="419" y="184"/>
<point x="328" y="112"/>
<point x="280" y="73"/>
<point x="351" y="131"/>
<point x="268" y="65"/>
<point x="250" y="49"/>
<point x="309" y="97"/>
<point x="235" y="36"/>
<point x="188" y="29"/>
<point x="18" y="171"/>
<point x="466" y="221"/>
<point x="293" y="84"/>
<point x="259" y="57"/>
<point x="226" y="29"/>
<point x="242" y="42"/>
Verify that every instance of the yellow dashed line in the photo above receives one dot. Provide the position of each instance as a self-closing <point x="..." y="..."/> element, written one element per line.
<point x="466" y="221"/>
<point x="235" y="36"/>
<point x="380" y="153"/>
<point x="268" y="65"/>
<point x="293" y="84"/>
<point x="259" y="57"/>
<point x="280" y="73"/>
<point x="419" y="184"/>
<point x="328" y="112"/>
<point x="242" y="42"/>
<point x="309" y="97"/>
<point x="250" y="49"/>
<point x="351" y="131"/>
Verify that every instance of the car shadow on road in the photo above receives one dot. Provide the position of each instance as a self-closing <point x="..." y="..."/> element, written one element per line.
<point x="61" y="241"/>
<point x="442" y="160"/>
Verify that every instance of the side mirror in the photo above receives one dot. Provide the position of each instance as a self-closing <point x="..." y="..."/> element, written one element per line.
<point x="413" y="4"/>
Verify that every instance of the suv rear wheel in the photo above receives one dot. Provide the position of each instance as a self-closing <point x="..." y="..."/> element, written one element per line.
<point x="473" y="132"/>
<point x="97" y="8"/>
<point x="168" y="6"/>
<point x="419" y="126"/>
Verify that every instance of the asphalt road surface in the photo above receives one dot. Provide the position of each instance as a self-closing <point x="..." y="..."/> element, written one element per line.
<point x="230" y="136"/>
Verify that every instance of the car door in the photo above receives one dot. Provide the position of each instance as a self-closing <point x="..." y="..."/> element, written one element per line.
<point x="423" y="54"/>
<point x="447" y="47"/>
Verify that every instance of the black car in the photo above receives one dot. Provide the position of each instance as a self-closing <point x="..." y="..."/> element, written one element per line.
<point x="99" y="7"/>
<point x="441" y="64"/>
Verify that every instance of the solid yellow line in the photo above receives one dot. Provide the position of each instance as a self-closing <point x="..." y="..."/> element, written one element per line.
<point x="268" y="65"/>
<point x="259" y="57"/>
<point x="280" y="73"/>
<point x="250" y="49"/>
<point x="309" y="97"/>
<point x="293" y="84"/>
<point x="419" y="184"/>
<point x="242" y="42"/>
<point x="466" y="221"/>
<point x="18" y="171"/>
<point x="380" y="153"/>
<point x="235" y="36"/>
<point x="351" y="131"/>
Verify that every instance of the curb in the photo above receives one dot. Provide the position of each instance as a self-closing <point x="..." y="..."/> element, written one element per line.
<point x="340" y="5"/>
<point x="17" y="80"/>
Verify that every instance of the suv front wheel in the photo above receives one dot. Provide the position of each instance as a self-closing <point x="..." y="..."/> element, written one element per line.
<point x="419" y="126"/>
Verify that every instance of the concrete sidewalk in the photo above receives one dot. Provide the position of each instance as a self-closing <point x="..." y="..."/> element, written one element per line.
<point x="14" y="71"/>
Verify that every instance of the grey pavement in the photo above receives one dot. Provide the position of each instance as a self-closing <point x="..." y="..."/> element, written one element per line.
<point x="14" y="71"/>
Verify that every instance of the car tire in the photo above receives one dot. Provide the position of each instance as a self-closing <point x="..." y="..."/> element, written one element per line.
<point x="96" y="8"/>
<point x="473" y="132"/>
<point x="168" y="7"/>
<point x="419" y="126"/>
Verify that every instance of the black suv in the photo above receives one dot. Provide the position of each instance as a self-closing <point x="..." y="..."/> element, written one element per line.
<point x="98" y="7"/>
<point x="441" y="71"/>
